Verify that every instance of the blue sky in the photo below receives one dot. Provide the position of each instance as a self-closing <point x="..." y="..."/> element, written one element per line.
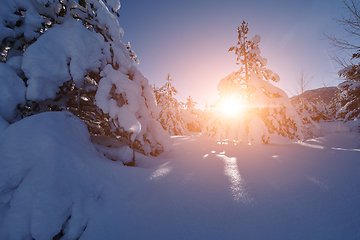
<point x="190" y="39"/>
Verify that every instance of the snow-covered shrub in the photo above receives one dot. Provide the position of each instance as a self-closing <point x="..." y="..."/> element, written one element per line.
<point x="258" y="108"/>
<point x="170" y="116"/>
<point x="311" y="113"/>
<point x="70" y="55"/>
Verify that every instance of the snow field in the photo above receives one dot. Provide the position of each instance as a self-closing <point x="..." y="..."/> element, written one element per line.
<point x="200" y="190"/>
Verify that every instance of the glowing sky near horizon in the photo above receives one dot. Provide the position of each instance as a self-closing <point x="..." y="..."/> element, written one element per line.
<point x="190" y="39"/>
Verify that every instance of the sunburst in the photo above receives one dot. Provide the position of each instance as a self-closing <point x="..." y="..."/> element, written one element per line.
<point x="232" y="106"/>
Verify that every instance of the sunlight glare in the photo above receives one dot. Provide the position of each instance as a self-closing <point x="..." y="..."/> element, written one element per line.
<point x="237" y="183"/>
<point x="311" y="145"/>
<point x="318" y="183"/>
<point x="231" y="106"/>
<point x="161" y="172"/>
<point x="136" y="128"/>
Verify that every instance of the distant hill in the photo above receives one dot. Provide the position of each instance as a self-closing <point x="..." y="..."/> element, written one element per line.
<point x="326" y="93"/>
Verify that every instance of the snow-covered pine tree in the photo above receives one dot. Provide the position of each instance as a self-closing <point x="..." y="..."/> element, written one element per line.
<point x="64" y="54"/>
<point x="157" y="94"/>
<point x="169" y="116"/>
<point x="250" y="107"/>
<point x="190" y="104"/>
<point x="206" y="113"/>
<point x="346" y="102"/>
<point x="193" y="117"/>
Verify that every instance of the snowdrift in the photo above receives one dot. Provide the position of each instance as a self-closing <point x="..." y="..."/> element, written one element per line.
<point x="51" y="177"/>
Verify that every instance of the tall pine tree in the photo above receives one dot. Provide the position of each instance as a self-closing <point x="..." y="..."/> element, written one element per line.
<point x="68" y="55"/>
<point x="193" y="117"/>
<point x="169" y="116"/>
<point x="261" y="108"/>
<point x="346" y="103"/>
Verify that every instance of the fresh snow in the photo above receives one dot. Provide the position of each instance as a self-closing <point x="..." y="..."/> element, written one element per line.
<point x="12" y="92"/>
<point x="3" y="125"/>
<point x="52" y="178"/>
<point x="58" y="56"/>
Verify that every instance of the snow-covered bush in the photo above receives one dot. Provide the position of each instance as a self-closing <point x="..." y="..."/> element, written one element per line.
<point x="70" y="56"/>
<point x="170" y="116"/>
<point x="311" y="114"/>
<point x="257" y="108"/>
<point x="310" y="111"/>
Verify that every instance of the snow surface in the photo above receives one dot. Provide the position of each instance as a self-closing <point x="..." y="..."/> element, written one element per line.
<point x="12" y="92"/>
<point x="49" y="171"/>
<point x="3" y="125"/>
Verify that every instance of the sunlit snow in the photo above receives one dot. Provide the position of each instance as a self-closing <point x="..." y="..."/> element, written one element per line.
<point x="232" y="171"/>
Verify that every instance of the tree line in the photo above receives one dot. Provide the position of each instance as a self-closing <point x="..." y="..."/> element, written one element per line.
<point x="68" y="55"/>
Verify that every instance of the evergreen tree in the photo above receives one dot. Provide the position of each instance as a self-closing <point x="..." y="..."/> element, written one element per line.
<point x="258" y="107"/>
<point x="170" y="117"/>
<point x="69" y="56"/>
<point x="193" y="117"/>
<point x="206" y="113"/>
<point x="346" y="103"/>
<point x="190" y="104"/>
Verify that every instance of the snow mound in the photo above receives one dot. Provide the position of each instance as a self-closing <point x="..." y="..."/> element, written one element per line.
<point x="340" y="127"/>
<point x="51" y="177"/>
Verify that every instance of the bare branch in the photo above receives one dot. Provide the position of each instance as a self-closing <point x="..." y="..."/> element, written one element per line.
<point x="303" y="82"/>
<point x="351" y="25"/>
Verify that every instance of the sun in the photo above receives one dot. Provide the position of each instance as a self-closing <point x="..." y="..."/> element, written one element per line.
<point x="232" y="106"/>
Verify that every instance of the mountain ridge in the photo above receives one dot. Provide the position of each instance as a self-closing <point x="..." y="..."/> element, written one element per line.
<point x="313" y="95"/>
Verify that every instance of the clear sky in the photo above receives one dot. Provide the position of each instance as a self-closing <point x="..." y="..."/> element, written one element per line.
<point x="189" y="39"/>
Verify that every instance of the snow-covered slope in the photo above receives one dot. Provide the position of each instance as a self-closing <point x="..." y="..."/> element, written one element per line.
<point x="54" y="182"/>
<point x="313" y="95"/>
